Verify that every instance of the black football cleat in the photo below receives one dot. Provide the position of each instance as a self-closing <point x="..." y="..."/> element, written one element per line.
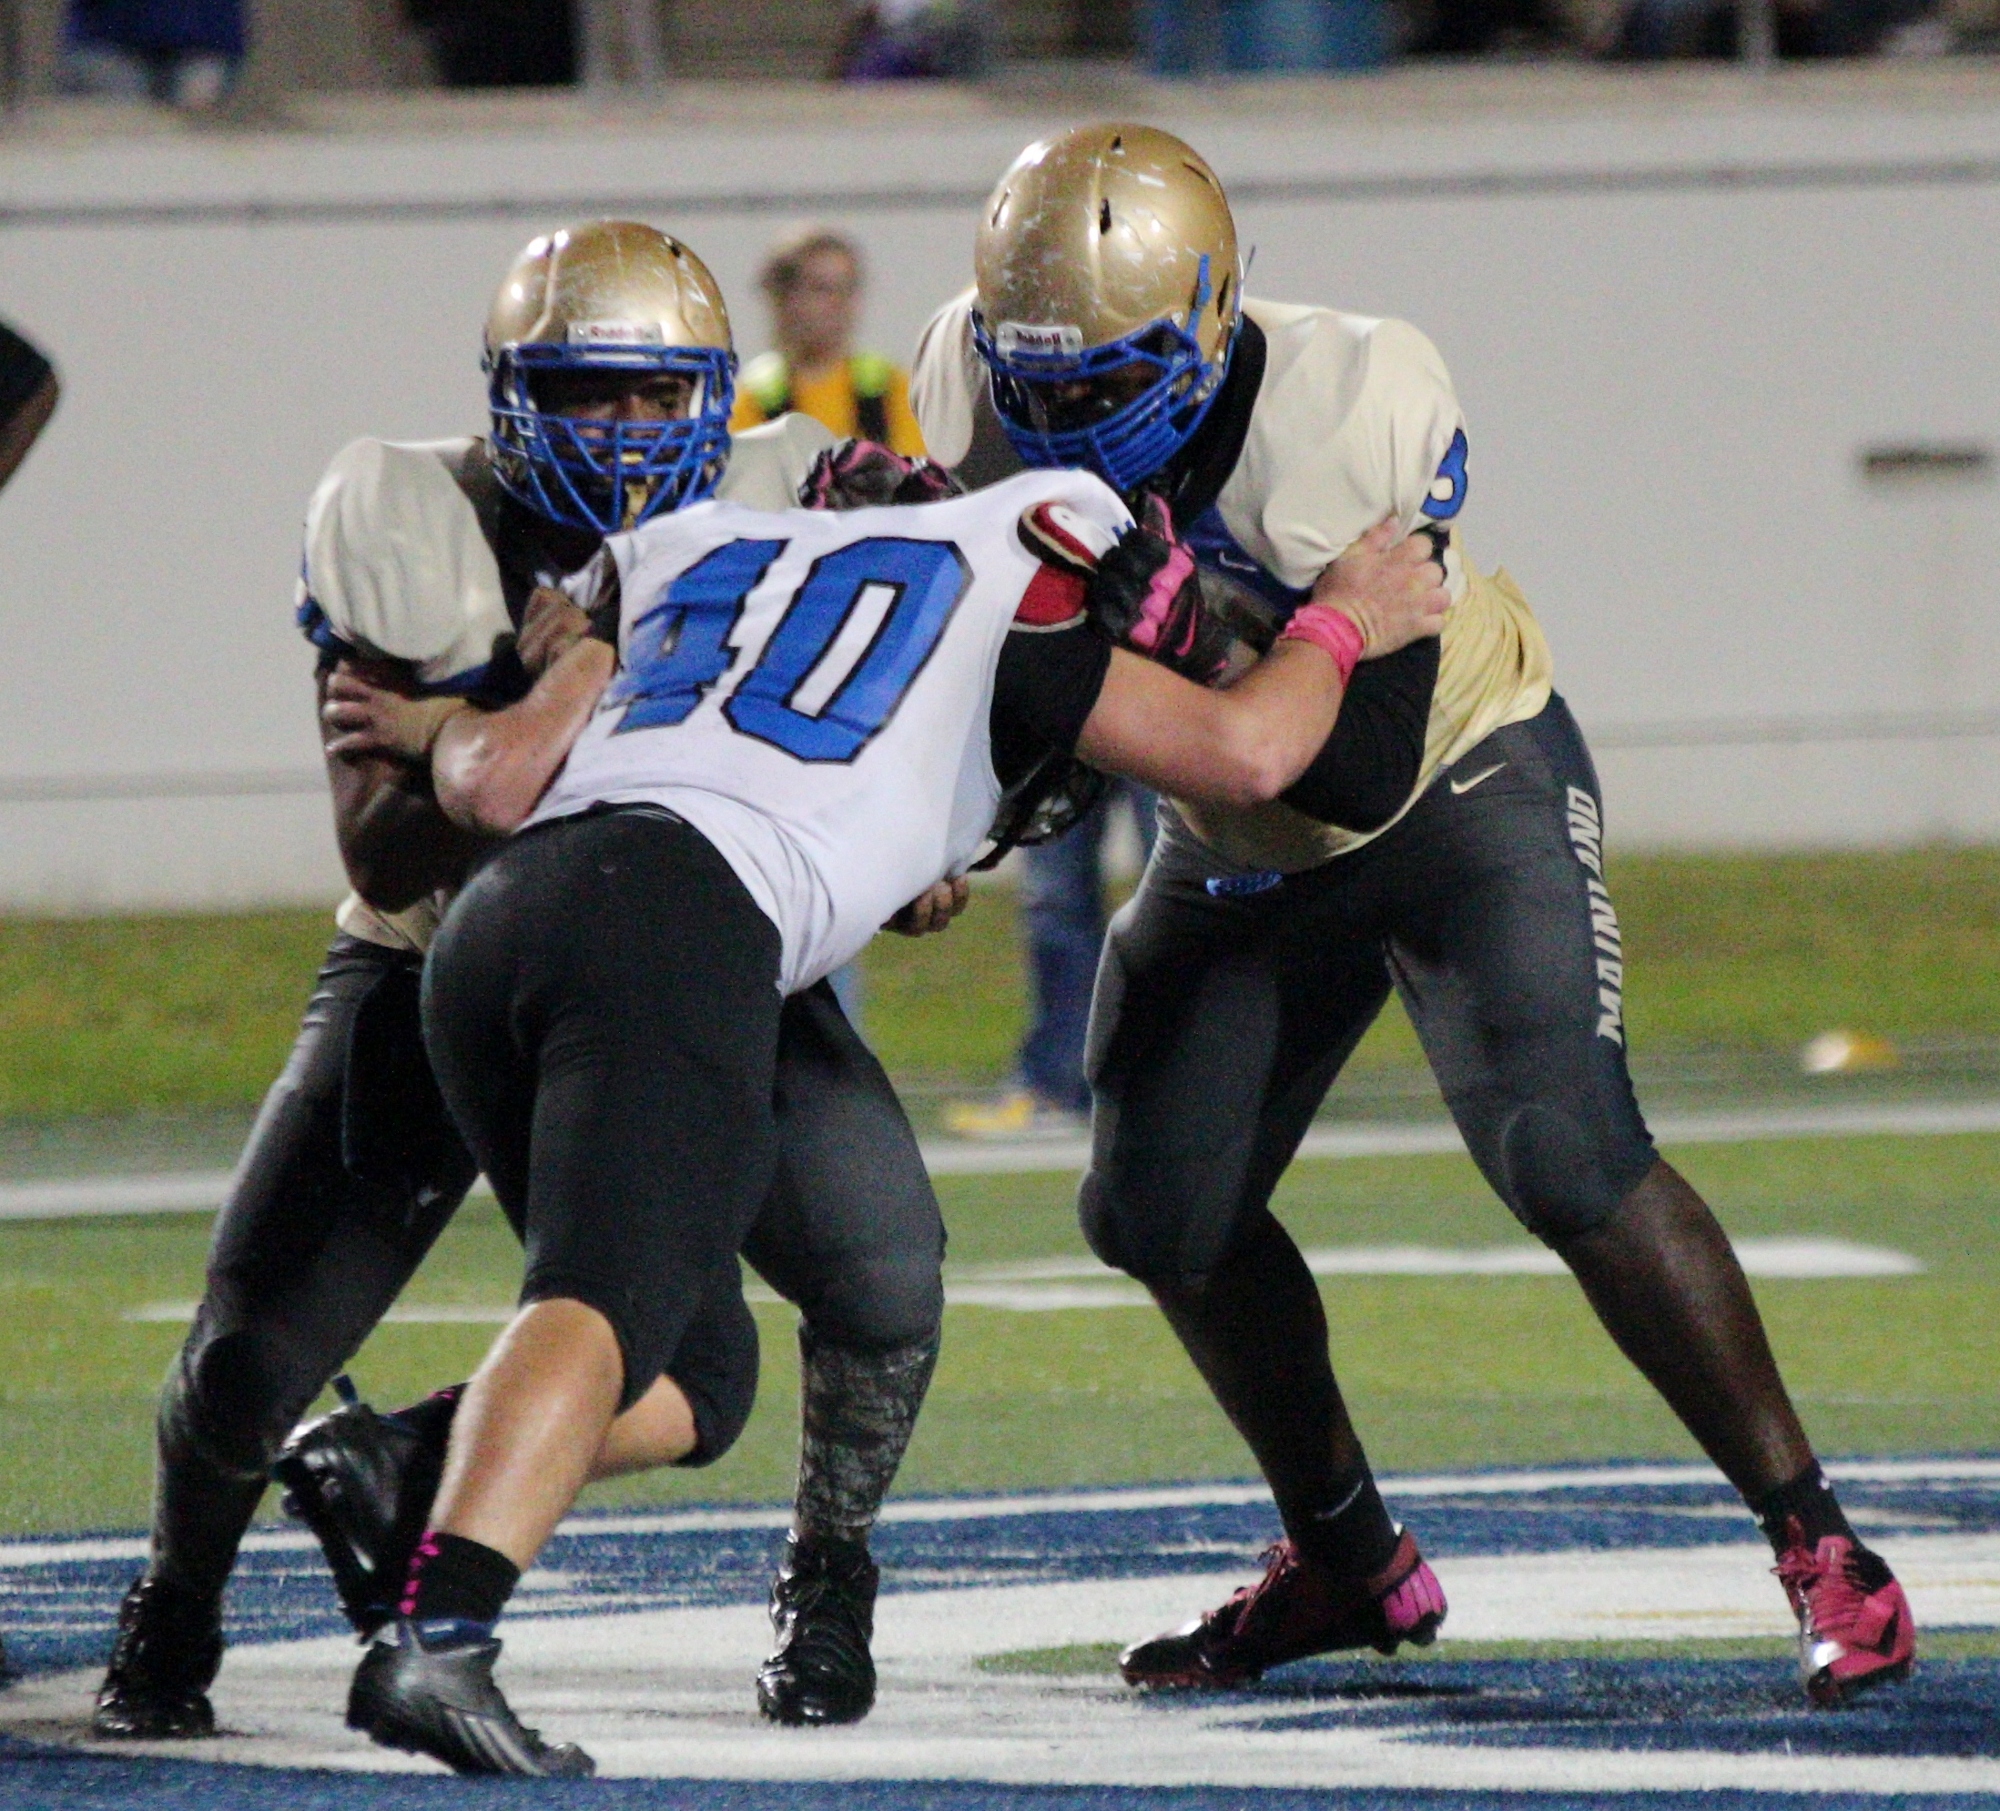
<point x="823" y="1612"/>
<point x="441" y="1701"/>
<point x="1294" y="1610"/>
<point x="364" y="1483"/>
<point x="168" y="1651"/>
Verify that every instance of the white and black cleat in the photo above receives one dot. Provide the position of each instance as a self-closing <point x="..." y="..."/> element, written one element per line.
<point x="439" y="1699"/>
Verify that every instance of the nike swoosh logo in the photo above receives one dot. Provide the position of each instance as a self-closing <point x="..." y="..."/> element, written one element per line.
<point x="1458" y="786"/>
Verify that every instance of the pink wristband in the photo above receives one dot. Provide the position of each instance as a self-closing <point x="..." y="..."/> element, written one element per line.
<point x="1331" y="629"/>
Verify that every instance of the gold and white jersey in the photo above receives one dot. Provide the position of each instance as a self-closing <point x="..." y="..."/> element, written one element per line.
<point x="400" y="564"/>
<point x="1355" y="419"/>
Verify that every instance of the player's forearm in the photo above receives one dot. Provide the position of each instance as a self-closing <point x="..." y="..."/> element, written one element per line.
<point x="395" y="843"/>
<point x="1238" y="747"/>
<point x="1275" y="719"/>
<point x="490" y="769"/>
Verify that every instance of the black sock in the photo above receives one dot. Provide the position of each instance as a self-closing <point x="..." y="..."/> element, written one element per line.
<point x="1804" y="1511"/>
<point x="1353" y="1534"/>
<point x="1256" y="1329"/>
<point x="456" y="1580"/>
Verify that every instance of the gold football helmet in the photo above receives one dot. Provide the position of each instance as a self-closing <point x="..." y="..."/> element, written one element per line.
<point x="614" y="299"/>
<point x="1109" y="292"/>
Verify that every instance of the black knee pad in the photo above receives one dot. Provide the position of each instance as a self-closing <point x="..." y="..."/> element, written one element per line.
<point x="1554" y="1176"/>
<point x="1171" y="1244"/>
<point x="896" y="1300"/>
<point x="721" y="1410"/>
<point x="225" y="1400"/>
<point x="1099" y="1221"/>
<point x="716" y="1367"/>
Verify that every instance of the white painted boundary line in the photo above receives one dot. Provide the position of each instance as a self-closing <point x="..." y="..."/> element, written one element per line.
<point x="1915" y="1119"/>
<point x="193" y="1191"/>
<point x="27" y="1554"/>
<point x="203" y="1190"/>
<point x="1052" y="1285"/>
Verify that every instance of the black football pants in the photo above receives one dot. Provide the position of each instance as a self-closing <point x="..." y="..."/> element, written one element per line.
<point x="353" y="1169"/>
<point x="1227" y="1001"/>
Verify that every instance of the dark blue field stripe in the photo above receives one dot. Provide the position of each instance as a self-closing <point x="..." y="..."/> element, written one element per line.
<point x="44" y="1778"/>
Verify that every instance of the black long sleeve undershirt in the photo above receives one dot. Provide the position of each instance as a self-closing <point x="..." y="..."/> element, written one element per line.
<point x="1369" y="765"/>
<point x="1048" y="682"/>
<point x="1043" y="693"/>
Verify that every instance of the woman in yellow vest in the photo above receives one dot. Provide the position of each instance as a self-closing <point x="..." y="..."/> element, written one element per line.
<point x="813" y="280"/>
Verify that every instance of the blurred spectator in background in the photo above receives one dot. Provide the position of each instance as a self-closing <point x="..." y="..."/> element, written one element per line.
<point x="183" y="53"/>
<point x="812" y="279"/>
<point x="1062" y="923"/>
<point x="498" y="43"/>
<point x="1242" y="37"/>
<point x="906" y="40"/>
<point x="1485" y="28"/>
<point x="28" y="392"/>
<point x="1655" y="29"/>
<point x="621" y="43"/>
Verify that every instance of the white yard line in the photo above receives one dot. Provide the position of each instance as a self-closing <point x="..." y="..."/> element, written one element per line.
<point x="1913" y="1119"/>
<point x="1048" y="1285"/>
<point x="188" y="1191"/>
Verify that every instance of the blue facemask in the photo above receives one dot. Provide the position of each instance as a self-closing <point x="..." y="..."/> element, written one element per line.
<point x="609" y="475"/>
<point x="1126" y="445"/>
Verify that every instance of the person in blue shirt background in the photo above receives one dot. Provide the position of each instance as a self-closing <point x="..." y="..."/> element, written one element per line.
<point x="181" y="53"/>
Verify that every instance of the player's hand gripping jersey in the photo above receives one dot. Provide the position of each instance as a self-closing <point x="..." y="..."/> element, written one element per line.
<point x="812" y="693"/>
<point x="1350" y="419"/>
<point x="406" y="560"/>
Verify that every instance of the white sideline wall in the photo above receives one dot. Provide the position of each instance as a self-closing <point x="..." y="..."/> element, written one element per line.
<point x="1676" y="329"/>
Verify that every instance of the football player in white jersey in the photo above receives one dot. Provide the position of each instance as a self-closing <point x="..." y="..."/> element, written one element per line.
<point x="610" y="363"/>
<point x="1108" y="330"/>
<point x="817" y="716"/>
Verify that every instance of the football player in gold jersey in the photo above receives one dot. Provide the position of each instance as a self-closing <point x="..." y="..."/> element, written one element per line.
<point x="1108" y="329"/>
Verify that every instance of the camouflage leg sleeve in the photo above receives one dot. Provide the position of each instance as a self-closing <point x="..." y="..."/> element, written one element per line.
<point x="858" y="1410"/>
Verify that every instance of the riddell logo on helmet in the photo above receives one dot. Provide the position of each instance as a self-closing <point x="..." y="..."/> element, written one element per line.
<point x="616" y="333"/>
<point x="1060" y="339"/>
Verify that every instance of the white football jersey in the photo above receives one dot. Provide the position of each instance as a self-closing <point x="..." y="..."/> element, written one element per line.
<point x="1355" y="419"/>
<point x="399" y="564"/>
<point x="811" y="691"/>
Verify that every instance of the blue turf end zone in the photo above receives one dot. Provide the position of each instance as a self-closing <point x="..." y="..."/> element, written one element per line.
<point x="59" y="1613"/>
<point x="57" y="1600"/>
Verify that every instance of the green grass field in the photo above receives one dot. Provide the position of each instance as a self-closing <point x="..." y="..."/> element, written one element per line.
<point x="1741" y="953"/>
<point x="146" y="1024"/>
<point x="1445" y="1371"/>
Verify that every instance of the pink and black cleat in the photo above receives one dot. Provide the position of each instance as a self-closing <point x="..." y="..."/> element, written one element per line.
<point x="1855" y="1628"/>
<point x="1294" y="1610"/>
